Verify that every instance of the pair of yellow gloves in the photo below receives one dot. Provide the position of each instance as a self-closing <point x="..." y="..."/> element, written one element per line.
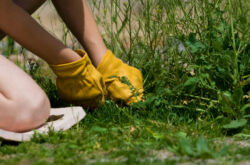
<point x="81" y="83"/>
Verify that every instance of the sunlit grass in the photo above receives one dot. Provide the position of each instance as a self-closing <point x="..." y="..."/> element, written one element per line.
<point x="194" y="56"/>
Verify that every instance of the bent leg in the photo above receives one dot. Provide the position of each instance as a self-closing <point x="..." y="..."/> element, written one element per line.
<point x="23" y="104"/>
<point x="78" y="17"/>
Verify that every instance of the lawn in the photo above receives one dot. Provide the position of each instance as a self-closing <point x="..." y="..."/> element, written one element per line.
<point x="194" y="56"/>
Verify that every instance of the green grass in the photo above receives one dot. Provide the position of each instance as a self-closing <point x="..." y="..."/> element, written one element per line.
<point x="121" y="135"/>
<point x="197" y="100"/>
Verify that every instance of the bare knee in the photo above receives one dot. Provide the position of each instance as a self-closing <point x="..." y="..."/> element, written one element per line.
<point x="23" y="104"/>
<point x="31" y="115"/>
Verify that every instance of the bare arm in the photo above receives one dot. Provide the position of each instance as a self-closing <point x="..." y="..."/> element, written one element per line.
<point x="28" y="5"/>
<point x="27" y="32"/>
<point x="82" y="24"/>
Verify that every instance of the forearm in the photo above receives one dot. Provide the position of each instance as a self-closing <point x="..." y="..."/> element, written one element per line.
<point x="28" y="5"/>
<point x="27" y="32"/>
<point x="78" y="17"/>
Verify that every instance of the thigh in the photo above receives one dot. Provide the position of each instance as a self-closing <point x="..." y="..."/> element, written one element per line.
<point x="14" y="82"/>
<point x="23" y="104"/>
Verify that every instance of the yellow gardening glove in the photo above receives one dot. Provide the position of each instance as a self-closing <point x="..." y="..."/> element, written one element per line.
<point x="123" y="82"/>
<point x="79" y="82"/>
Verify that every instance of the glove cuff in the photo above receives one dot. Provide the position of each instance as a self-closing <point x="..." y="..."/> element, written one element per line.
<point x="79" y="82"/>
<point x="109" y="63"/>
<point x="74" y="68"/>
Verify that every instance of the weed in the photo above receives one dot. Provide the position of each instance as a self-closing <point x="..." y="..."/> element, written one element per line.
<point x="194" y="56"/>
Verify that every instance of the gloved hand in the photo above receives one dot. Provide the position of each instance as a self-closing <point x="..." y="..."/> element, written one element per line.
<point x="123" y="82"/>
<point x="79" y="82"/>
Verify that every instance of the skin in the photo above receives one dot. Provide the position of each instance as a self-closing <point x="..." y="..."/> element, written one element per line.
<point x="80" y="21"/>
<point x="16" y="115"/>
<point x="27" y="32"/>
<point x="82" y="24"/>
<point x="28" y="5"/>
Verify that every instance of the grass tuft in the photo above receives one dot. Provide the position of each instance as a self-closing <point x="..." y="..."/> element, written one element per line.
<point x="194" y="56"/>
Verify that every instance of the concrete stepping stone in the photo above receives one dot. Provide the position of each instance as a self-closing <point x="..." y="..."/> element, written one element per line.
<point x="60" y="119"/>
